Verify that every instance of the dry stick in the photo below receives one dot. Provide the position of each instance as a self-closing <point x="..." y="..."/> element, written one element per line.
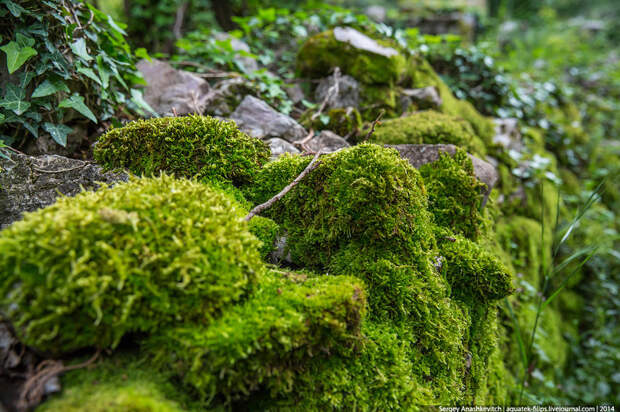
<point x="331" y="92"/>
<point x="34" y="388"/>
<point x="311" y="166"/>
<point x="374" y="123"/>
<point x="302" y="143"/>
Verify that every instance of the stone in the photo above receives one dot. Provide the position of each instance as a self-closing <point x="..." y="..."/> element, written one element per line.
<point x="279" y="147"/>
<point x="327" y="142"/>
<point x="421" y="154"/>
<point x="294" y="92"/>
<point x="222" y="99"/>
<point x="362" y="42"/>
<point x="507" y="134"/>
<point x="28" y="183"/>
<point x="170" y="90"/>
<point x="249" y="63"/>
<point x="377" y="13"/>
<point x="338" y="91"/>
<point x="256" y="118"/>
<point x="424" y="98"/>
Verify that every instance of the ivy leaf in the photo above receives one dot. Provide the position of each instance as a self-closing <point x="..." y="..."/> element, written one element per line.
<point x="14" y="99"/>
<point x="79" y="49"/>
<point x="90" y="74"/>
<point x="138" y="99"/>
<point x="58" y="132"/>
<point x="104" y="73"/>
<point x="143" y="54"/>
<point x="17" y="55"/>
<point x="15" y="9"/>
<point x="115" y="26"/>
<point x="76" y="102"/>
<point x="49" y="87"/>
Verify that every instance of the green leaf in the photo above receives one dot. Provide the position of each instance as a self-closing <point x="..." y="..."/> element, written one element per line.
<point x="79" y="49"/>
<point x="115" y="26"/>
<point x="15" y="9"/>
<point x="14" y="99"/>
<point x="104" y="73"/>
<point x="90" y="74"/>
<point x="49" y="87"/>
<point x="58" y="132"/>
<point x="76" y="102"/>
<point x="16" y="55"/>
<point x="136" y="97"/>
<point x="143" y="54"/>
<point x="23" y="40"/>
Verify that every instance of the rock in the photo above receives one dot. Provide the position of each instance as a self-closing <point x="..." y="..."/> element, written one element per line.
<point x="249" y="63"/>
<point x="421" y="154"/>
<point x="168" y="88"/>
<point x="362" y="42"/>
<point x="281" y="254"/>
<point x="327" y="142"/>
<point x="377" y="13"/>
<point x="507" y="134"/>
<point x="258" y="119"/>
<point x="28" y="183"/>
<point x="424" y="98"/>
<point x="279" y="147"/>
<point x="339" y="91"/>
<point x="294" y="92"/>
<point x="225" y="96"/>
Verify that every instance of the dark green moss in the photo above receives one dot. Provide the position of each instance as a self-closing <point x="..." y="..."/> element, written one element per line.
<point x="205" y="147"/>
<point x="343" y="122"/>
<point x="454" y="194"/>
<point x="429" y="127"/>
<point x="134" y="257"/>
<point x="264" y="342"/>
<point x="266" y="230"/>
<point x="321" y="53"/>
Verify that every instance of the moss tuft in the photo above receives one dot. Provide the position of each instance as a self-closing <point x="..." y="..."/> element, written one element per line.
<point x="343" y="122"/>
<point x="266" y="230"/>
<point x="429" y="127"/>
<point x="454" y="194"/>
<point x="134" y="257"/>
<point x="205" y="147"/>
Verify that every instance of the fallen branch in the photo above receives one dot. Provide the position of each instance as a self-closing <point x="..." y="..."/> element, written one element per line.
<point x="263" y="206"/>
<point x="302" y="143"/>
<point x="372" y="127"/>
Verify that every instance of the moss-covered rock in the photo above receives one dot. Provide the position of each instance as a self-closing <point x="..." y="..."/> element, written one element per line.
<point x="321" y="53"/>
<point x="121" y="383"/>
<point x="134" y="257"/>
<point x="429" y="127"/>
<point x="421" y="74"/>
<point x="205" y="147"/>
<point x="454" y="194"/>
<point x="343" y="122"/>
<point x="266" y="230"/>
<point x="265" y="341"/>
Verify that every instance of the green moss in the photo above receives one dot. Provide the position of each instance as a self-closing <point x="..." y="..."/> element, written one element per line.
<point x="421" y="74"/>
<point x="205" y="147"/>
<point x="429" y="127"/>
<point x="321" y="53"/>
<point x="118" y="384"/>
<point x="376" y="99"/>
<point x="343" y="122"/>
<point x="266" y="230"/>
<point x="474" y="274"/>
<point x="454" y="194"/>
<point x="134" y="257"/>
<point x="290" y="319"/>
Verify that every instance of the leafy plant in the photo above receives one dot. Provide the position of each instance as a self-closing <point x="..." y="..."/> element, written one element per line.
<point x="66" y="63"/>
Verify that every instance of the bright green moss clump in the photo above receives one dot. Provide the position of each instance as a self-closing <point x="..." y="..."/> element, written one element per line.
<point x="266" y="230"/>
<point x="205" y="147"/>
<point x="321" y="53"/>
<point x="454" y="194"/>
<point x="264" y="342"/>
<point x="429" y="127"/>
<point x="135" y="257"/>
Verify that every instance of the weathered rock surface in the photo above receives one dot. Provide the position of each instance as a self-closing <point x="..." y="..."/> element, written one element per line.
<point x="222" y="99"/>
<point x="171" y="90"/>
<point x="258" y="119"/>
<point x="338" y="91"/>
<point x="423" y="98"/>
<point x="28" y="183"/>
<point x="421" y="154"/>
<point x="362" y="42"/>
<point x="279" y="147"/>
<point x="327" y="142"/>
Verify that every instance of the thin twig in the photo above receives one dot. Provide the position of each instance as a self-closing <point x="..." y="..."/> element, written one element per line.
<point x="374" y="123"/>
<point x="331" y="92"/>
<point x="263" y="206"/>
<point x="302" y="143"/>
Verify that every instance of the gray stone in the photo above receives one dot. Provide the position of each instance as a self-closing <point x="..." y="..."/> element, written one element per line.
<point x="294" y="92"/>
<point x="225" y="96"/>
<point x="279" y="147"/>
<point x="28" y="183"/>
<point x="249" y="63"/>
<point x="507" y="134"/>
<point x="327" y="142"/>
<point x="377" y="13"/>
<point x="421" y="154"/>
<point x="424" y="98"/>
<point x="362" y="42"/>
<point x="338" y="91"/>
<point x="169" y="90"/>
<point x="281" y="254"/>
<point x="258" y="119"/>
